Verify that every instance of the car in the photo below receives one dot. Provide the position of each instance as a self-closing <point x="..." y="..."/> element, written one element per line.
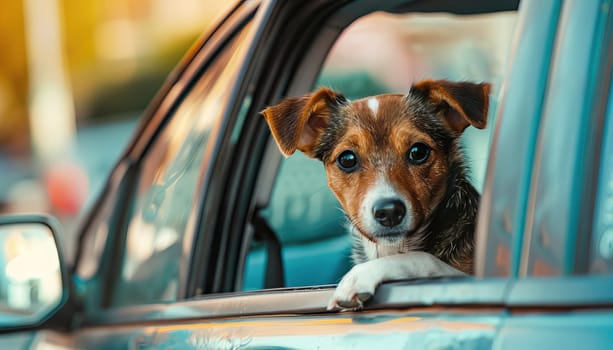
<point x="206" y="237"/>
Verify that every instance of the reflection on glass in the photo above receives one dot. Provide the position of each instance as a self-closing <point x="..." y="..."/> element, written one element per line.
<point x="169" y="185"/>
<point x="30" y="278"/>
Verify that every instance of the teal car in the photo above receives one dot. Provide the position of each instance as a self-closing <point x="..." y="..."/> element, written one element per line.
<point x="206" y="237"/>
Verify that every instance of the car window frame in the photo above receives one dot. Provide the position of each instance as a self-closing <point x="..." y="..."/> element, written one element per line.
<point x="486" y="292"/>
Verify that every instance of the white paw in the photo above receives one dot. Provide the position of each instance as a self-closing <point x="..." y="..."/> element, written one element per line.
<point x="357" y="286"/>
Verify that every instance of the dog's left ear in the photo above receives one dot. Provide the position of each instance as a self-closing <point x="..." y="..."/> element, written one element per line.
<point x="467" y="103"/>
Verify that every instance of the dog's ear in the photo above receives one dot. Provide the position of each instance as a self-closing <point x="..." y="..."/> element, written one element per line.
<point x="465" y="103"/>
<point x="297" y="123"/>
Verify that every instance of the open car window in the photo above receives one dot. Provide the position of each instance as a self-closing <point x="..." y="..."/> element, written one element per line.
<point x="378" y="53"/>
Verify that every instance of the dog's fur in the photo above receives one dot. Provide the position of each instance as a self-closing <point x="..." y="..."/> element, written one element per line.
<point x="409" y="217"/>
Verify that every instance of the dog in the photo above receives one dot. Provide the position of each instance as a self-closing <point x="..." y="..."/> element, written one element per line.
<point x="395" y="163"/>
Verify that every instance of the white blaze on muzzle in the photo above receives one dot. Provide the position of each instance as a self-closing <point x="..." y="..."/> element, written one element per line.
<point x="383" y="193"/>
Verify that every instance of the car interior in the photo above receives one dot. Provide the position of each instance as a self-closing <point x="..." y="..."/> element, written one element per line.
<point x="305" y="223"/>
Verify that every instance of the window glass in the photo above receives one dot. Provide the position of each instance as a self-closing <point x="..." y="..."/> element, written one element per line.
<point x="378" y="53"/>
<point x="601" y="253"/>
<point x="168" y="186"/>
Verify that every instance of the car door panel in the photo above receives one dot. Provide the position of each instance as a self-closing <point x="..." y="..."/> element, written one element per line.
<point x="554" y="330"/>
<point x="396" y="330"/>
<point x="392" y="328"/>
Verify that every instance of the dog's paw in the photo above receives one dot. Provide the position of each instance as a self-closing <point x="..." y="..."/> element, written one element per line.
<point x="357" y="286"/>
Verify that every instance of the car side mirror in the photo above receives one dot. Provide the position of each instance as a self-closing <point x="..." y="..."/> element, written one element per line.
<point x="33" y="278"/>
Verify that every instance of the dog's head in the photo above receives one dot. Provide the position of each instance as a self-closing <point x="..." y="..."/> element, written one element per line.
<point x="388" y="158"/>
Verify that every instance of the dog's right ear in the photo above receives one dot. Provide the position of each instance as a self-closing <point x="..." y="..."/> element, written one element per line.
<point x="297" y="123"/>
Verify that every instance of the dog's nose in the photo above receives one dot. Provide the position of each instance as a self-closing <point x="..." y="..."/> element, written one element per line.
<point x="389" y="212"/>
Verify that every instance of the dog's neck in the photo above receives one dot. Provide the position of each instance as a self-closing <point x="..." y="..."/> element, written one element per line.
<point x="460" y="201"/>
<point x="365" y="249"/>
<point x="449" y="235"/>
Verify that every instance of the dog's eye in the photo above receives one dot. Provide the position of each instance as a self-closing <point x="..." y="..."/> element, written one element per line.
<point x="419" y="153"/>
<point x="347" y="161"/>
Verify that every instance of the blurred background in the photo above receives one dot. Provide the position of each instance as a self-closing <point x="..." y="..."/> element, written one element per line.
<point x="74" y="79"/>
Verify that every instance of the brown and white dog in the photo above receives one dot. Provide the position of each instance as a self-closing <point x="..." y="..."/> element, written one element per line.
<point x="395" y="164"/>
